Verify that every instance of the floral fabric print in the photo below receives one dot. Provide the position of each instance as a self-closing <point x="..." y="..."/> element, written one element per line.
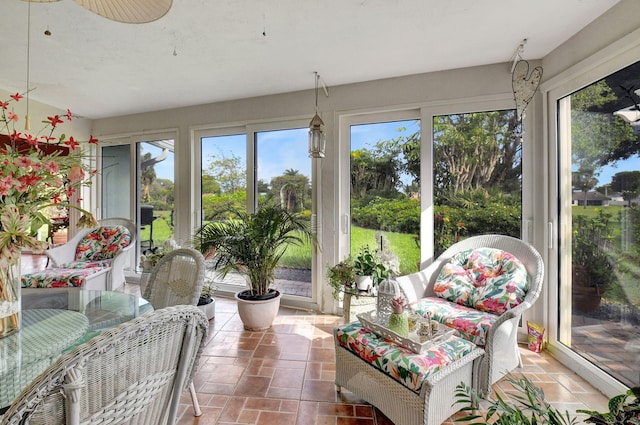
<point x="470" y="324"/>
<point x="94" y="253"/>
<point x="485" y="279"/>
<point x="405" y="366"/>
<point x="103" y="243"/>
<point x="86" y="264"/>
<point x="58" y="278"/>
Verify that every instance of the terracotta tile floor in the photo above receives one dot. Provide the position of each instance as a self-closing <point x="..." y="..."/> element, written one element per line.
<point x="285" y="375"/>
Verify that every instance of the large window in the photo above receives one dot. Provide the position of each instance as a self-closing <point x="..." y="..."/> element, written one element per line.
<point x="599" y="186"/>
<point x="477" y="174"/>
<point x="283" y="177"/>
<point x="274" y="167"/>
<point x="385" y="190"/>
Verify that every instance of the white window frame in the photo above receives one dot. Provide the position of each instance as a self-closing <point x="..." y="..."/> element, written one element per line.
<point x="250" y="130"/>
<point x="616" y="56"/>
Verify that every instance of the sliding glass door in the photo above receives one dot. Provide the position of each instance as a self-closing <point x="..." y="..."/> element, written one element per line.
<point x="137" y="182"/>
<point x="243" y="168"/>
<point x="599" y="217"/>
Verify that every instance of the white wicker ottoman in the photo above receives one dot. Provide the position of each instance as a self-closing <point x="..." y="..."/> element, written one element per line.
<point x="427" y="398"/>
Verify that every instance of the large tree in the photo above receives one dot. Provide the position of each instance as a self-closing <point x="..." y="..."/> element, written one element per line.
<point x="376" y="171"/>
<point x="476" y="150"/>
<point x="627" y="183"/>
<point x="595" y="134"/>
<point x="227" y="172"/>
<point x="292" y="189"/>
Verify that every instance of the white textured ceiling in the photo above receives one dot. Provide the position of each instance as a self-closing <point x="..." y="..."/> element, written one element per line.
<point x="231" y="49"/>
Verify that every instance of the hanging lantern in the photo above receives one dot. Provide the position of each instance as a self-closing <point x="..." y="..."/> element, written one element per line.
<point x="317" y="135"/>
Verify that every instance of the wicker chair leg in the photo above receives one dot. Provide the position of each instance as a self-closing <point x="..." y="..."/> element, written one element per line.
<point x="194" y="399"/>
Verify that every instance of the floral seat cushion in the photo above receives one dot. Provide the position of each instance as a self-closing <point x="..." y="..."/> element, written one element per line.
<point x="470" y="324"/>
<point x="86" y="264"/>
<point x="58" y="277"/>
<point x="485" y="279"/>
<point x="103" y="243"/>
<point x="405" y="366"/>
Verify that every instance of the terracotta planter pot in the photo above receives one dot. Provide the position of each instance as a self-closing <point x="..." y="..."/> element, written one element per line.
<point x="258" y="315"/>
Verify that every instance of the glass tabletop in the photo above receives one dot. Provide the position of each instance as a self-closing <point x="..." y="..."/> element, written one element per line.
<point x="56" y="320"/>
<point x="103" y="309"/>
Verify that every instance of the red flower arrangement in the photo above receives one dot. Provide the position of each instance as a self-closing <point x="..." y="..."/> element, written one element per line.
<point x="36" y="171"/>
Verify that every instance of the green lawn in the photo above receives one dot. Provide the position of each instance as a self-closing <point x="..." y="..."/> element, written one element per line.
<point x="401" y="244"/>
<point x="162" y="229"/>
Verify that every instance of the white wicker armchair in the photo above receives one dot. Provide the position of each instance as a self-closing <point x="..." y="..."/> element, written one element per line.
<point x="131" y="374"/>
<point x="177" y="279"/>
<point x="501" y="349"/>
<point x="115" y="276"/>
<point x="83" y="274"/>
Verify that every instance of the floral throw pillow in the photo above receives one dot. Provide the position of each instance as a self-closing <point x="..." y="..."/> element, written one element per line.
<point x="103" y="243"/>
<point x="486" y="279"/>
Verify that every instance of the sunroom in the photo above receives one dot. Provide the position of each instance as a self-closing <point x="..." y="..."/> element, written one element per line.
<point x="568" y="169"/>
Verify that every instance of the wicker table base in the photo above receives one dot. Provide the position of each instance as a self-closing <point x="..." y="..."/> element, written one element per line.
<point x="431" y="406"/>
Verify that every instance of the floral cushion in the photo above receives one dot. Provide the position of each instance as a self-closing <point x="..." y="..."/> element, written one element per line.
<point x="103" y="243"/>
<point x="58" y="278"/>
<point x="486" y="279"/>
<point x="470" y="324"/>
<point x="86" y="264"/>
<point x="405" y="366"/>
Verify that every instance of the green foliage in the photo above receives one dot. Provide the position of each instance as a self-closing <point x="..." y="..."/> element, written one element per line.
<point x="292" y="188"/>
<point x="626" y="182"/>
<point x="446" y="231"/>
<point x="592" y="246"/>
<point x="389" y="215"/>
<point x="476" y="150"/>
<point x="624" y="409"/>
<point x="402" y="244"/>
<point x="252" y="244"/>
<point x="340" y="276"/>
<point x="529" y="406"/>
<point x="228" y="172"/>
<point x="367" y="263"/>
<point x="219" y="206"/>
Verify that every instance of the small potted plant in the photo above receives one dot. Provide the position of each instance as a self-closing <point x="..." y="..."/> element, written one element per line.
<point x="341" y="276"/>
<point x="206" y="303"/>
<point x="368" y="269"/>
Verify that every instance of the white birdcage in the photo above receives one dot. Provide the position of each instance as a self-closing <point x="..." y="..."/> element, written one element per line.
<point x="387" y="290"/>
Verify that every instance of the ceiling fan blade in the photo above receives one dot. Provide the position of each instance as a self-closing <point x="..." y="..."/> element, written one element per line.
<point x="128" y="11"/>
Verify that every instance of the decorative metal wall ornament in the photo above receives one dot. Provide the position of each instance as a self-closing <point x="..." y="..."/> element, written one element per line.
<point x="524" y="85"/>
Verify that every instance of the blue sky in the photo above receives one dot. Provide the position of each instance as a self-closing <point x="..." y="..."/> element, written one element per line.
<point x="287" y="149"/>
<point x="631" y="164"/>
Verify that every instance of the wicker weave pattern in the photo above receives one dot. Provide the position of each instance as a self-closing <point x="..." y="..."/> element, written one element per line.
<point x="131" y="374"/>
<point x="431" y="406"/>
<point x="176" y="279"/>
<point x="44" y="335"/>
<point x="501" y="348"/>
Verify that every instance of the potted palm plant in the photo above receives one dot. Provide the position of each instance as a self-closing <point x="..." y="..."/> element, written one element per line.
<point x="252" y="244"/>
